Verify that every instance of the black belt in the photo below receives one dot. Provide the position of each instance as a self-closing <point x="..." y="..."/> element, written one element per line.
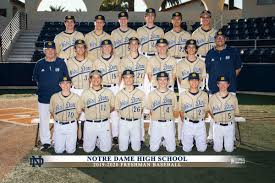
<point x="164" y="120"/>
<point x="149" y="54"/>
<point x="65" y="122"/>
<point x="193" y="121"/>
<point x="97" y="121"/>
<point x="109" y="85"/>
<point x="179" y="57"/>
<point x="137" y="85"/>
<point x="130" y="119"/>
<point x="202" y="56"/>
<point x="225" y="124"/>
<point x="168" y="86"/>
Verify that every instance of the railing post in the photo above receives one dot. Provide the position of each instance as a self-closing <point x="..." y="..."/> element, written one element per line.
<point x="10" y="33"/>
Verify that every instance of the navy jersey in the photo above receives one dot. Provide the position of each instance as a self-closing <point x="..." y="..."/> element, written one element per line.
<point x="222" y="63"/>
<point x="47" y="76"/>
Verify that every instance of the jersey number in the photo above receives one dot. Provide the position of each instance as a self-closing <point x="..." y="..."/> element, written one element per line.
<point x="70" y="114"/>
<point x="103" y="107"/>
<point x="136" y="109"/>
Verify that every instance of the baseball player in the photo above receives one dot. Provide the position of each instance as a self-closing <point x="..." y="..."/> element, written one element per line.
<point x="108" y="64"/>
<point x="204" y="35"/>
<point x="79" y="68"/>
<point x="47" y="73"/>
<point x="177" y="38"/>
<point x="190" y="64"/>
<point x="65" y="40"/>
<point x="223" y="108"/>
<point x="193" y="106"/>
<point x="162" y="103"/>
<point x="162" y="62"/>
<point x="120" y="36"/>
<point x="63" y="108"/>
<point x="138" y="64"/>
<point x="94" y="38"/>
<point x="97" y="103"/>
<point x="149" y="33"/>
<point x="129" y="103"/>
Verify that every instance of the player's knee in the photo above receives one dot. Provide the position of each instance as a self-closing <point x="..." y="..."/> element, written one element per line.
<point x="202" y="148"/>
<point x="154" y="148"/>
<point x="59" y="150"/>
<point x="229" y="148"/>
<point x="70" y="151"/>
<point x="217" y="148"/>
<point x="136" y="146"/>
<point x="170" y="148"/>
<point x="123" y="148"/>
<point x="186" y="149"/>
<point x="88" y="149"/>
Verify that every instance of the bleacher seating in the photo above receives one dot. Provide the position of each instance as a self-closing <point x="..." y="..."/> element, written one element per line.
<point x="245" y="34"/>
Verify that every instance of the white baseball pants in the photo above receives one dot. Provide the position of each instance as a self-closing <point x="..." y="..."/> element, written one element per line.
<point x="223" y="135"/>
<point x="44" y="118"/>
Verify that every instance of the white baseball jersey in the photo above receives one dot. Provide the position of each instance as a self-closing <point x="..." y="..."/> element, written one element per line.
<point x="138" y="65"/>
<point x="109" y="69"/>
<point x="93" y="42"/>
<point x="156" y="65"/>
<point x="130" y="104"/>
<point x="185" y="67"/>
<point x="194" y="106"/>
<point x="205" y="40"/>
<point x="64" y="109"/>
<point x="223" y="109"/>
<point x="97" y="104"/>
<point x="176" y="42"/>
<point x="64" y="43"/>
<point x="120" y="41"/>
<point x="162" y="105"/>
<point x="148" y="38"/>
<point x="79" y="72"/>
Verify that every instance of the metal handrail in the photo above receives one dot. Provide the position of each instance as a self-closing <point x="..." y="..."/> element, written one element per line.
<point x="17" y="23"/>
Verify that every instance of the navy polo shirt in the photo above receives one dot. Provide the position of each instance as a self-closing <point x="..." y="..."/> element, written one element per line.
<point x="47" y="76"/>
<point x="222" y="63"/>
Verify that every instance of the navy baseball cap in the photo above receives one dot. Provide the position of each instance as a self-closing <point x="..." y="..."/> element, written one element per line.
<point x="194" y="75"/>
<point x="106" y="42"/>
<point x="177" y="14"/>
<point x="79" y="41"/>
<point x="69" y="17"/>
<point x="150" y="10"/>
<point x="162" y="74"/>
<point x="128" y="72"/>
<point x="65" y="78"/>
<point x="223" y="78"/>
<point x="49" y="44"/>
<point x="206" y="12"/>
<point x="134" y="39"/>
<point x="99" y="17"/>
<point x="191" y="42"/>
<point x="220" y="33"/>
<point x="95" y="72"/>
<point x="162" y="40"/>
<point x="123" y="14"/>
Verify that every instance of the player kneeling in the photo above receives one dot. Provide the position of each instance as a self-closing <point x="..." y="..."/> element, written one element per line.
<point x="97" y="103"/>
<point x="193" y="106"/>
<point x="129" y="104"/>
<point x="223" y="108"/>
<point x="63" y="108"/>
<point x="162" y="103"/>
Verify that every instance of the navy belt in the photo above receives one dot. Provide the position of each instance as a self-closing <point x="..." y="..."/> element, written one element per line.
<point x="225" y="124"/>
<point x="149" y="54"/>
<point x="109" y="85"/>
<point x="137" y="85"/>
<point x="65" y="122"/>
<point x="164" y="120"/>
<point x="130" y="119"/>
<point x="179" y="57"/>
<point x="97" y="121"/>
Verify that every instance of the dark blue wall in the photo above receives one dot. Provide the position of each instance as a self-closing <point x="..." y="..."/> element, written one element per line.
<point x="253" y="77"/>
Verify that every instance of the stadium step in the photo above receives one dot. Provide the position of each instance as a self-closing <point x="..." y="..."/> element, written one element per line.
<point x="24" y="47"/>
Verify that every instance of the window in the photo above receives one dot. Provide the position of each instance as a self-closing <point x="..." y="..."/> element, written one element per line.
<point x="3" y="12"/>
<point x="265" y="2"/>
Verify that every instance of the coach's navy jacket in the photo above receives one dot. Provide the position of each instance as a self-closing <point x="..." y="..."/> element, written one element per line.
<point x="222" y="63"/>
<point x="47" y="76"/>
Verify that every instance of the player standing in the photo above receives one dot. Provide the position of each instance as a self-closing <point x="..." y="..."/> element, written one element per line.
<point x="63" y="108"/>
<point x="223" y="108"/>
<point x="129" y="104"/>
<point x="193" y="106"/>
<point x="177" y="38"/>
<point x="79" y="68"/>
<point x="47" y="73"/>
<point x="149" y="33"/>
<point x="162" y="103"/>
<point x="65" y="40"/>
<point x="97" y="103"/>
<point x="94" y="38"/>
<point x="162" y="62"/>
<point x="120" y="36"/>
<point x="204" y="35"/>
<point x="108" y="65"/>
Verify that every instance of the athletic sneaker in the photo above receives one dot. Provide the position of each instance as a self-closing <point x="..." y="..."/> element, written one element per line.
<point x="45" y="147"/>
<point x="115" y="140"/>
